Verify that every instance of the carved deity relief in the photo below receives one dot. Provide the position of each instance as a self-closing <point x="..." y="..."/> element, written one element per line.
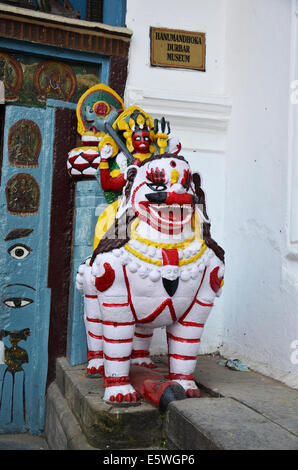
<point x="14" y="358"/>
<point x="11" y="74"/>
<point x="55" y="80"/>
<point x="24" y="144"/>
<point x="22" y="195"/>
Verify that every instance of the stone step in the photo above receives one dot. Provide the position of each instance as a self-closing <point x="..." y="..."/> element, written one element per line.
<point x="223" y="424"/>
<point x="236" y="411"/>
<point x="62" y="429"/>
<point x="252" y="412"/>
<point x="101" y="425"/>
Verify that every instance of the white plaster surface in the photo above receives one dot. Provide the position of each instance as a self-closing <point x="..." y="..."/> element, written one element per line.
<point x="236" y="125"/>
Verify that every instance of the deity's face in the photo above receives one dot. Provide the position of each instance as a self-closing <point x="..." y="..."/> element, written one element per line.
<point x="94" y="117"/>
<point x="162" y="194"/>
<point x="141" y="141"/>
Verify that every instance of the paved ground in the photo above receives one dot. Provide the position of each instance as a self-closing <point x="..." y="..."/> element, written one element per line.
<point x="22" y="442"/>
<point x="245" y="411"/>
<point x="237" y="411"/>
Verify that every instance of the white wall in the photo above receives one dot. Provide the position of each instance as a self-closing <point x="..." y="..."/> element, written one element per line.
<point x="237" y="128"/>
<point x="199" y="15"/>
<point x="193" y="103"/>
<point x="261" y="292"/>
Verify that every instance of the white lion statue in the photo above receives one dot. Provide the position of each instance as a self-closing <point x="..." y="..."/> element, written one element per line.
<point x="156" y="266"/>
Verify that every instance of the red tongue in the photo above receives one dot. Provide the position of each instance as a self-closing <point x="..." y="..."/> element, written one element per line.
<point x="170" y="257"/>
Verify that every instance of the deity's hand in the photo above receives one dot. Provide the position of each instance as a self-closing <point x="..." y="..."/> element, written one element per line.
<point x="162" y="131"/>
<point x="106" y="152"/>
<point x="122" y="162"/>
<point x="161" y="127"/>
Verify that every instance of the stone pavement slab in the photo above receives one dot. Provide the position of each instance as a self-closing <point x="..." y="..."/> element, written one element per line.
<point x="62" y="429"/>
<point x="272" y="399"/>
<point x="236" y="411"/>
<point x="106" y="426"/>
<point x="248" y="411"/>
<point x="22" y="442"/>
<point x="223" y="424"/>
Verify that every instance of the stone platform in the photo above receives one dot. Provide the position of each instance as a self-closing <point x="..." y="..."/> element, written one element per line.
<point x="236" y="411"/>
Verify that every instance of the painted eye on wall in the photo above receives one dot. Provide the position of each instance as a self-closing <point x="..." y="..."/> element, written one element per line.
<point x="19" y="251"/>
<point x="17" y="302"/>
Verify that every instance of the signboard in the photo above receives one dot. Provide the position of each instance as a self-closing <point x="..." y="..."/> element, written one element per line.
<point x="178" y="48"/>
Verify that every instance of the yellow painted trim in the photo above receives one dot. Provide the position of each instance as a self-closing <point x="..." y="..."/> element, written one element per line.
<point x="98" y="87"/>
<point x="104" y="165"/>
<point x="115" y="173"/>
<point x="105" y="221"/>
<point x="108" y="140"/>
<point x="142" y="257"/>
<point x="174" y="176"/>
<point x="127" y="113"/>
<point x="157" y="262"/>
<point x="142" y="156"/>
<point x="193" y="258"/>
<point x="107" y="105"/>
<point x="135" y="236"/>
<point x="195" y="223"/>
<point x="94" y="134"/>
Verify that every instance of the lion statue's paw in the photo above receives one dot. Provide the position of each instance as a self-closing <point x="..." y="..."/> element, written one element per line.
<point x="190" y="388"/>
<point x="95" y="367"/>
<point x="121" y="394"/>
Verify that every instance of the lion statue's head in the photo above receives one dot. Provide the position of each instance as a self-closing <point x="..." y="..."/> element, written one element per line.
<point x="166" y="197"/>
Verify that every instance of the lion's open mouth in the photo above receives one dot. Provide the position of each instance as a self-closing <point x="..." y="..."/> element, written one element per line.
<point x="169" y="215"/>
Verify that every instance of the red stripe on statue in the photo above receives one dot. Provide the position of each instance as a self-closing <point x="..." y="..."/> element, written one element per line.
<point x="108" y="340"/>
<point x="157" y="311"/>
<point x="114" y="381"/>
<point x="139" y="335"/>
<point x="203" y="304"/>
<point x="119" y="359"/>
<point x="194" y="300"/>
<point x="215" y="281"/>
<point x="104" y="282"/>
<point x="183" y="340"/>
<point x="139" y="353"/>
<point x="128" y="293"/>
<point x="191" y="323"/>
<point x="94" y="355"/>
<point x="94" y="320"/>
<point x="183" y="358"/>
<point x="170" y="257"/>
<point x="115" y="305"/>
<point x="118" y="323"/>
<point x="90" y="296"/>
<point x="94" y="336"/>
<point x="180" y="377"/>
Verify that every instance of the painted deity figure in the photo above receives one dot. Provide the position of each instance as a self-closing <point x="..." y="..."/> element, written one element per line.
<point x="154" y="263"/>
<point x="98" y="106"/>
<point x="113" y="137"/>
<point x="141" y="138"/>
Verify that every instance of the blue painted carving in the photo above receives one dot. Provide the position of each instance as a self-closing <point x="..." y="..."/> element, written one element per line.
<point x="90" y="202"/>
<point x="24" y="260"/>
<point x="24" y="296"/>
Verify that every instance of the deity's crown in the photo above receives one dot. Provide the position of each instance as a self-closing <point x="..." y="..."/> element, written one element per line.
<point x="134" y="120"/>
<point x="139" y="122"/>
